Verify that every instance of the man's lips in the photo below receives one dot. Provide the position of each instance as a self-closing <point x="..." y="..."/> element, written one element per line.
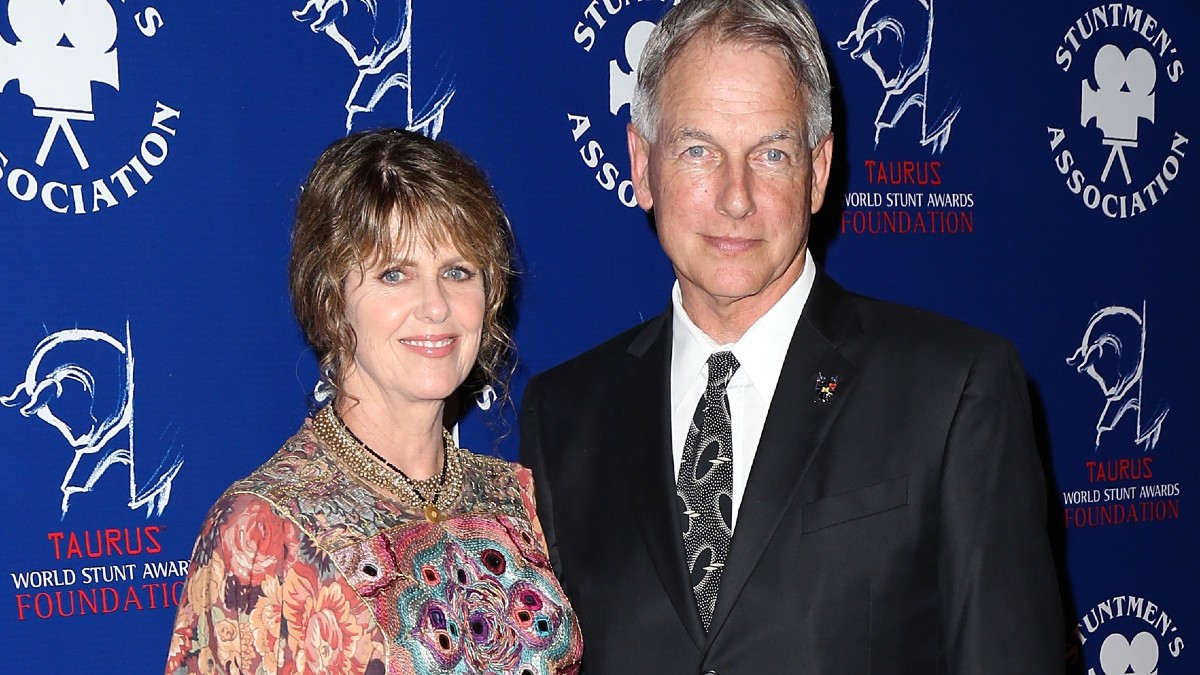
<point x="731" y="245"/>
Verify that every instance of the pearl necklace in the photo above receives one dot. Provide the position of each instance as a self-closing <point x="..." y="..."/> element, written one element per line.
<point x="368" y="464"/>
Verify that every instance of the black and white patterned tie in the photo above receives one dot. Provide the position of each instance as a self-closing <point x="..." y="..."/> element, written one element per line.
<point x="705" y="486"/>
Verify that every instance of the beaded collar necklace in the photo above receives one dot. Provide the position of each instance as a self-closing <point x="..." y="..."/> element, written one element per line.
<point x="366" y="463"/>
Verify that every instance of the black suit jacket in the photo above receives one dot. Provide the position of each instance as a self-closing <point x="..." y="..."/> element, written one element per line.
<point x="897" y="528"/>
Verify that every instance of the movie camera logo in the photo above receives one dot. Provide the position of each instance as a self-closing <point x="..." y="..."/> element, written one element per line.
<point x="1125" y="152"/>
<point x="1129" y="635"/>
<point x="382" y="53"/>
<point x="63" y="49"/>
<point x="80" y="382"/>
<point x="612" y="35"/>
<point x="902" y="34"/>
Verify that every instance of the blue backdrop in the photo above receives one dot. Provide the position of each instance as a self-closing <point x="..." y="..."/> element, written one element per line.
<point x="1024" y="168"/>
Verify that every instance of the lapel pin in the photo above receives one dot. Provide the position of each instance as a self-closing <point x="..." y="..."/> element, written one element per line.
<point x="826" y="387"/>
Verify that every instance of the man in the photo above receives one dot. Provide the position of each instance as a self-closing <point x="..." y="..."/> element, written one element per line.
<point x="845" y="486"/>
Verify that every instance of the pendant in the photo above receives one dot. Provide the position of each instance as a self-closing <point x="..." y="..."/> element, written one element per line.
<point x="433" y="514"/>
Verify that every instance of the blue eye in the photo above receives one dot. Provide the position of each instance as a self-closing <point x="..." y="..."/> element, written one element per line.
<point x="459" y="274"/>
<point x="775" y="155"/>
<point x="392" y="276"/>
<point x="695" y="152"/>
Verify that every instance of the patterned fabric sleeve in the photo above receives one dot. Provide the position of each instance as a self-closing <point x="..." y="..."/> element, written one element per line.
<point x="525" y="478"/>
<point x="262" y="599"/>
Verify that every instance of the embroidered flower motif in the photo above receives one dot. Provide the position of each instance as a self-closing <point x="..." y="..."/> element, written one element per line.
<point x="472" y="594"/>
<point x="206" y="584"/>
<point x="430" y="575"/>
<point x="437" y="630"/>
<point x="490" y="643"/>
<point x="234" y="644"/>
<point x="493" y="560"/>
<point x="206" y="662"/>
<point x="322" y="631"/>
<point x="181" y="639"/>
<point x="257" y="541"/>
<point x="533" y="614"/>
<point x="526" y="541"/>
<point x="478" y="604"/>
<point x="266" y="620"/>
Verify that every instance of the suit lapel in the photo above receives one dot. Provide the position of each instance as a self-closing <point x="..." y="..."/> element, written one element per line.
<point x="796" y="426"/>
<point x="644" y="435"/>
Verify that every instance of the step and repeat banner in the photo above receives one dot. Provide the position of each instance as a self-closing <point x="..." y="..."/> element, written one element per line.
<point x="1027" y="167"/>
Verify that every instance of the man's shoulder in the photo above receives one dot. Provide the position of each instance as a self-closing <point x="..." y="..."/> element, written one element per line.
<point x="603" y="358"/>
<point x="919" y="330"/>
<point x="840" y="314"/>
<point x="878" y="314"/>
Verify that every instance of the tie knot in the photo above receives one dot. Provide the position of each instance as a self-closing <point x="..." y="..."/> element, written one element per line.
<point x="721" y="367"/>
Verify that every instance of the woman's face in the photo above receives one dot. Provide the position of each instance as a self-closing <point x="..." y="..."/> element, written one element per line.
<point x="418" y="321"/>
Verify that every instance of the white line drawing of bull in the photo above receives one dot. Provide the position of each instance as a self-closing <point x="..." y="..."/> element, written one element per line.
<point x="91" y="366"/>
<point x="894" y="38"/>
<point x="377" y="36"/>
<point x="1113" y="353"/>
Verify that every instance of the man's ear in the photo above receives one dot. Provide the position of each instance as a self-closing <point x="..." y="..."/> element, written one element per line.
<point x="822" y="160"/>
<point x="639" y="163"/>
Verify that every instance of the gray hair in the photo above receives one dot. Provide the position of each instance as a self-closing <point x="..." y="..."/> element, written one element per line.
<point x="786" y="24"/>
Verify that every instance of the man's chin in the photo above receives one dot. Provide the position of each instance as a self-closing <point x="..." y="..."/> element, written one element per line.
<point x="729" y="289"/>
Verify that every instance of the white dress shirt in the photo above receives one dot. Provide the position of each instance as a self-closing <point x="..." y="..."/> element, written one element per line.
<point x="760" y="351"/>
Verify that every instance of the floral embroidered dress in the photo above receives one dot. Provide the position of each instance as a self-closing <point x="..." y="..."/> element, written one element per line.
<point x="308" y="566"/>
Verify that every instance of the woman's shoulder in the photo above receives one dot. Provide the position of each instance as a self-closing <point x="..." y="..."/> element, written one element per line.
<point x="474" y="461"/>
<point x="302" y="483"/>
<point x="496" y="470"/>
<point x="299" y="462"/>
<point x="492" y="484"/>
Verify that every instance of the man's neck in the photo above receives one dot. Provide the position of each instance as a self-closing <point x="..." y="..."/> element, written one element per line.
<point x="726" y="320"/>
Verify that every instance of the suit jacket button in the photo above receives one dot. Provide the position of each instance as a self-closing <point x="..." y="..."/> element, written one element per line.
<point x="710" y="672"/>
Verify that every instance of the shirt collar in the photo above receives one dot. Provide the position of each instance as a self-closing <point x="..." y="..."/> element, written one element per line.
<point x="760" y="351"/>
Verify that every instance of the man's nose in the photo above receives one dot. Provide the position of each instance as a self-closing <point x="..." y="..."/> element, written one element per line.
<point x="735" y="195"/>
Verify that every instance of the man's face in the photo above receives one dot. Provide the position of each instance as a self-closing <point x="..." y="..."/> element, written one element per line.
<point x="729" y="176"/>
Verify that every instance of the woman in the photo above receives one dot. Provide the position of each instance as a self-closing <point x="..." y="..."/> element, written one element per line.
<point x="370" y="543"/>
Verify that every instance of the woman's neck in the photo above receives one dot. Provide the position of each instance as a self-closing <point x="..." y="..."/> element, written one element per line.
<point x="408" y="435"/>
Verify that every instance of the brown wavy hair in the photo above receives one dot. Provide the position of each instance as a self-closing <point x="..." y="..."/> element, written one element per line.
<point x="372" y="194"/>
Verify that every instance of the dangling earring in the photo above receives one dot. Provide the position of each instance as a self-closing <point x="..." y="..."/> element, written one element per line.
<point x="485" y="398"/>
<point x="324" y="391"/>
